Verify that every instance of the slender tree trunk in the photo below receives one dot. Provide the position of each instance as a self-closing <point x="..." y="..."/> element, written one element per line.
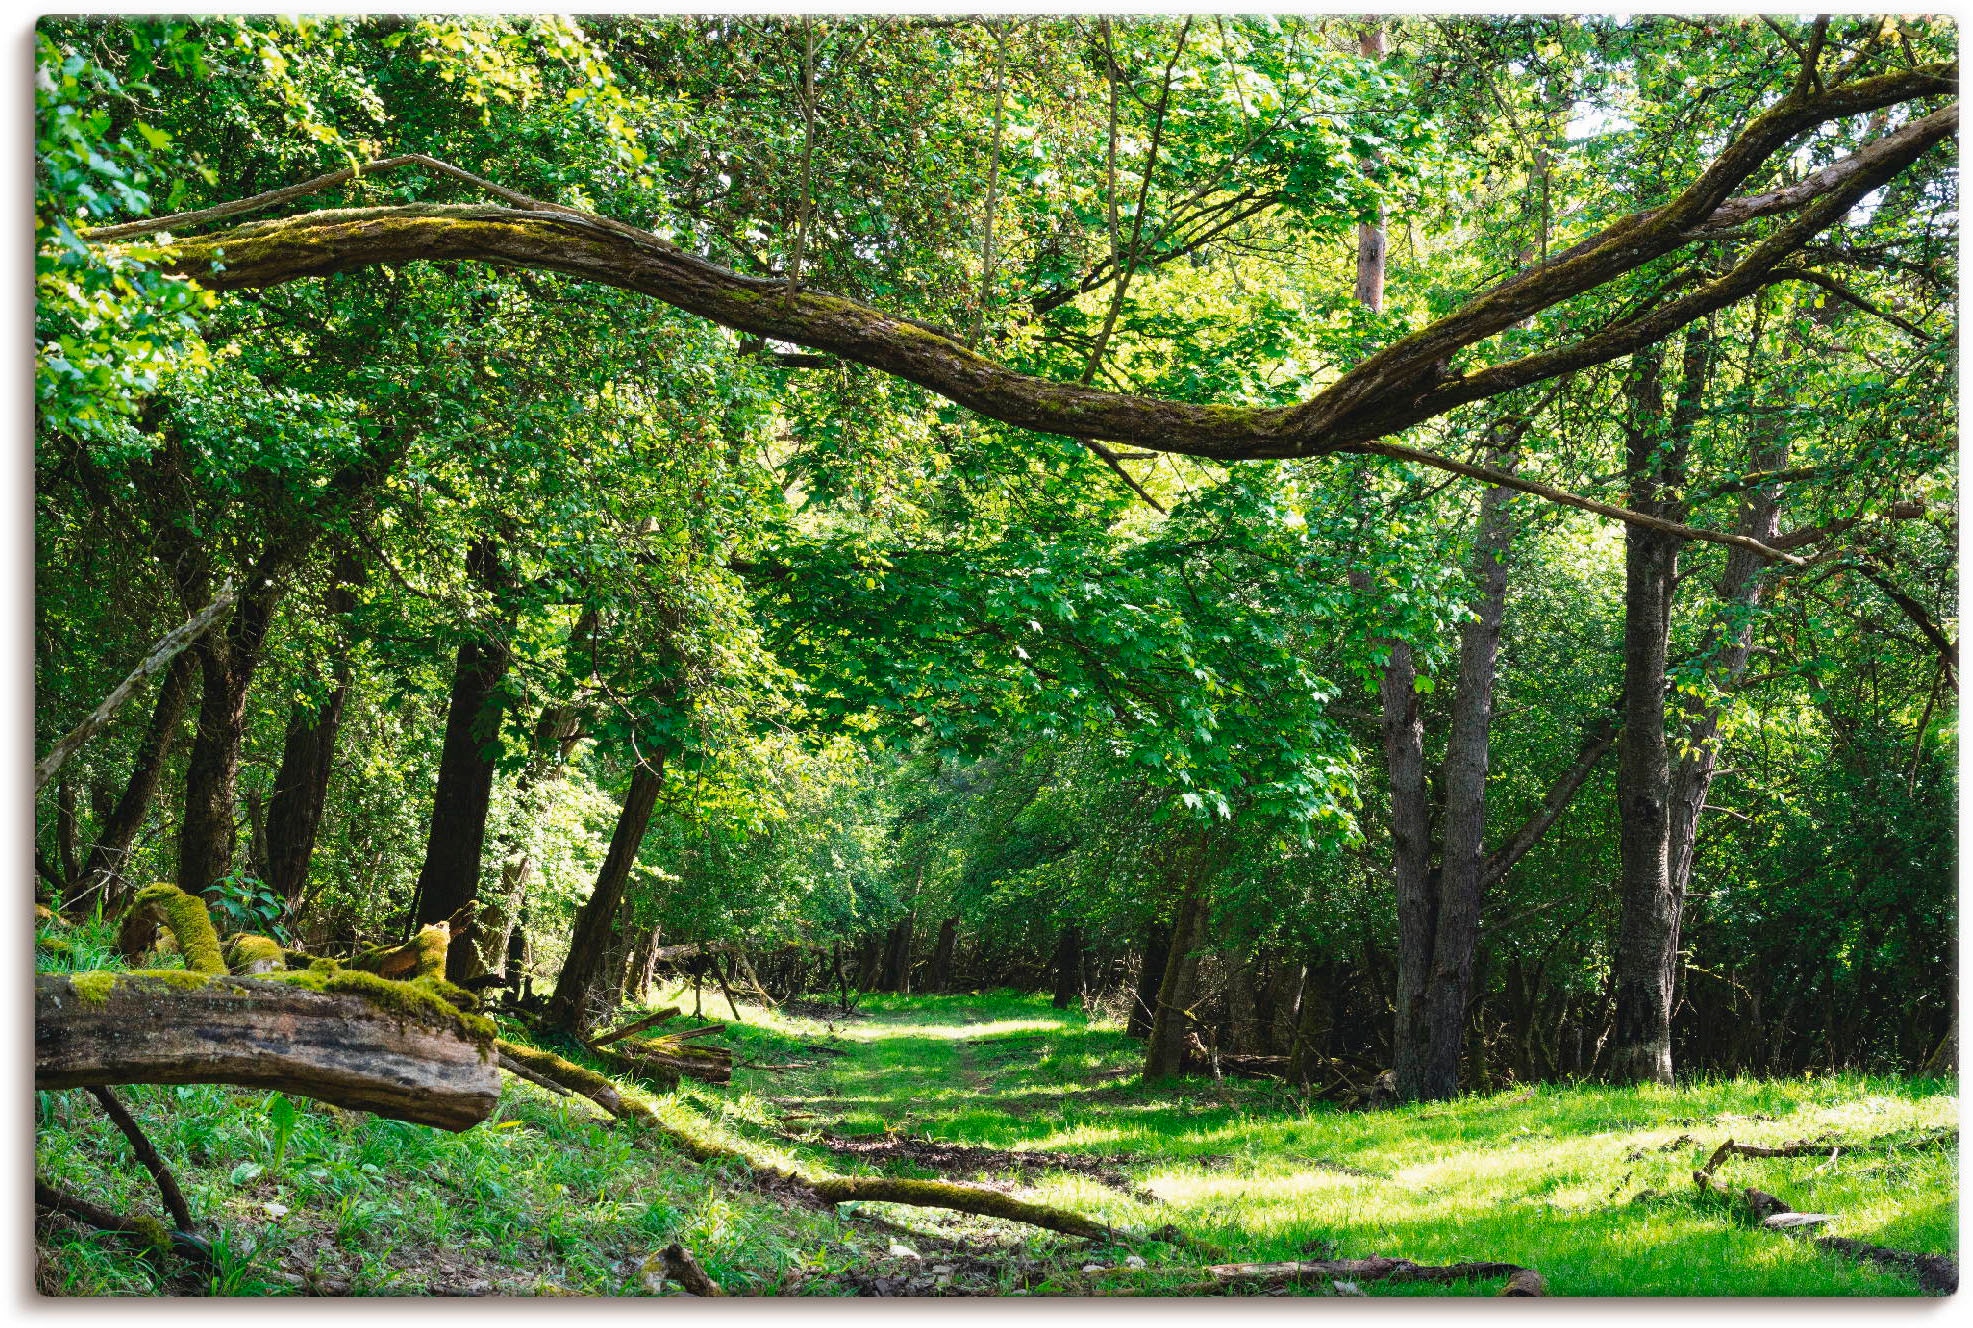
<point x="308" y="753"/>
<point x="1242" y="1005"/>
<point x="594" y="923"/>
<point x="870" y="963"/>
<point x="1144" y="1002"/>
<point x="1068" y="967"/>
<point x="227" y="659"/>
<point x="103" y="870"/>
<point x="451" y="875"/>
<point x="1313" y="1023"/>
<point x="1371" y="241"/>
<point x="1411" y="847"/>
<point x="940" y="977"/>
<point x="1643" y="967"/>
<point x="1462" y="858"/>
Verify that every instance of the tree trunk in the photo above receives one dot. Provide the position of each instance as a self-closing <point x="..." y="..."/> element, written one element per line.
<point x="1165" y="1052"/>
<point x="451" y="875"/>
<point x="869" y="962"/>
<point x="227" y="659"/>
<point x="1313" y="1023"/>
<point x="897" y="958"/>
<point x="1242" y="1006"/>
<point x="308" y="752"/>
<point x="1284" y="1004"/>
<point x="1068" y="967"/>
<point x="1642" y="968"/>
<point x="1411" y="847"/>
<point x="593" y="924"/>
<point x="1370" y="237"/>
<point x="939" y="979"/>
<point x="1461" y="862"/>
<point x="104" y="868"/>
<point x="1144" y="1002"/>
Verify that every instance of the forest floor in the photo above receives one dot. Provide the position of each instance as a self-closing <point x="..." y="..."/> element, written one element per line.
<point x="1592" y="1186"/>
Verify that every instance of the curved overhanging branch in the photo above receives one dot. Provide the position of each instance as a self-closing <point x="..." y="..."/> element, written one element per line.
<point x="1404" y="384"/>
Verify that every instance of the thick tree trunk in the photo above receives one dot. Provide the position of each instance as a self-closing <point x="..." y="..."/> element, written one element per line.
<point x="1165" y="1052"/>
<point x="939" y="978"/>
<point x="450" y="878"/>
<point x="1643" y="966"/>
<point x="897" y="957"/>
<point x="102" y="872"/>
<point x="1068" y="967"/>
<point x="1284" y="1005"/>
<point x="594" y="923"/>
<point x="1144" y="1001"/>
<point x="869" y="962"/>
<point x="1461" y="865"/>
<point x="308" y="753"/>
<point x="1242" y="1004"/>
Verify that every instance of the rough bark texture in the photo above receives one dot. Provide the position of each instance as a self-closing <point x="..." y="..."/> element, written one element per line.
<point x="450" y="878"/>
<point x="1403" y="384"/>
<point x="102" y="871"/>
<point x="1456" y="935"/>
<point x="1411" y="848"/>
<point x="1164" y="1055"/>
<point x="175" y="1028"/>
<point x="593" y="924"/>
<point x="1643" y="967"/>
<point x="228" y="659"/>
<point x="897" y="957"/>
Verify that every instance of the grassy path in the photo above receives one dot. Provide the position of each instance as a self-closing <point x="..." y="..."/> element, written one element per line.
<point x="1591" y="1185"/>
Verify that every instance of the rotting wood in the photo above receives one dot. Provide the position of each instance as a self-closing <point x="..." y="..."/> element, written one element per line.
<point x="679" y="1266"/>
<point x="391" y="1048"/>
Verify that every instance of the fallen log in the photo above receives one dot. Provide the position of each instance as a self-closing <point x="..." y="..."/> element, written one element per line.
<point x="669" y="1061"/>
<point x="638" y="1027"/>
<point x="146" y="1231"/>
<point x="351" y="1039"/>
<point x="160" y="908"/>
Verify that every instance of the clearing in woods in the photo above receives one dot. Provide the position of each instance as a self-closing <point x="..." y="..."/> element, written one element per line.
<point x="1592" y="1186"/>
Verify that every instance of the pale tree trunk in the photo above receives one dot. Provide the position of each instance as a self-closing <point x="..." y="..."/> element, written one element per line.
<point x="1644" y="964"/>
<point x="1371" y="240"/>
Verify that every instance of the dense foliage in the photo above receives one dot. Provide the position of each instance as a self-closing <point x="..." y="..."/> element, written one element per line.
<point x="886" y="662"/>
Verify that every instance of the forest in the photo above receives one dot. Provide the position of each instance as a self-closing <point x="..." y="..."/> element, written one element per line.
<point x="1211" y="655"/>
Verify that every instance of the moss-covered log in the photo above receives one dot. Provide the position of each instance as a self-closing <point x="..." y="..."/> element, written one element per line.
<point x="159" y="908"/>
<point x="350" y="1039"/>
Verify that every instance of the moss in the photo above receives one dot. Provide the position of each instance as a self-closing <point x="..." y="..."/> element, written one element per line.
<point x="54" y="945"/>
<point x="189" y="922"/>
<point x="431" y="943"/>
<point x="178" y="979"/>
<point x="422" y="956"/>
<point x="418" y="999"/>
<point x="151" y="1231"/>
<point x="454" y="993"/>
<point x="93" y="987"/>
<point x="248" y="953"/>
<point x="324" y="966"/>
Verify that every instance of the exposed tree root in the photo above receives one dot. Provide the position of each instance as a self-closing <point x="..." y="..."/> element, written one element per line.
<point x="679" y="1266"/>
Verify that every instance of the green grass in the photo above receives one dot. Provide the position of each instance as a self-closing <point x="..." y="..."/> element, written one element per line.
<point x="1590" y="1185"/>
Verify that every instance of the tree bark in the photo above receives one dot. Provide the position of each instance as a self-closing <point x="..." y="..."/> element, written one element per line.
<point x="450" y="878"/>
<point x="258" y="1033"/>
<point x="1144" y="1002"/>
<point x="897" y="957"/>
<point x="1370" y="236"/>
<point x="593" y="924"/>
<point x="1164" y="1052"/>
<point x="308" y="752"/>
<point x="1068" y="967"/>
<point x="939" y="978"/>
<point x="103" y="870"/>
<point x="228" y="659"/>
<point x="1643" y="966"/>
<point x="1411" y="848"/>
<point x="1456" y="934"/>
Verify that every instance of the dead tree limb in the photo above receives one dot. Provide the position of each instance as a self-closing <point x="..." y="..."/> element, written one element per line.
<point x="660" y="1017"/>
<point x="140" y="1144"/>
<point x="1937" y="1274"/>
<point x="166" y="650"/>
<point x="149" y="1232"/>
<point x="682" y="1268"/>
<point x="351" y="1039"/>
